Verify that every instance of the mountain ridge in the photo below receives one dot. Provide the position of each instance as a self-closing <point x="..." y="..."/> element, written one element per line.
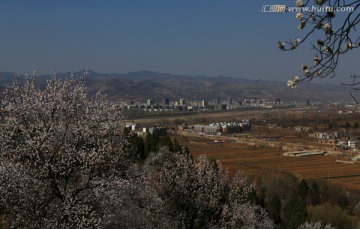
<point x="154" y="85"/>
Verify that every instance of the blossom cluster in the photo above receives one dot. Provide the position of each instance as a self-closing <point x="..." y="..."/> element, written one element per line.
<point x="294" y="82"/>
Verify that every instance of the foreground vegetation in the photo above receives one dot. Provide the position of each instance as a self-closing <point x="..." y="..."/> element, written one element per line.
<point x="67" y="162"/>
<point x="288" y="200"/>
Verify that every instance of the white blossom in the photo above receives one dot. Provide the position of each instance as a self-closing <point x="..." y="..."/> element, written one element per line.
<point x="201" y="194"/>
<point x="316" y="60"/>
<point x="299" y="16"/>
<point x="327" y="26"/>
<point x="300" y="3"/>
<point x="294" y="82"/>
<point x="296" y="79"/>
<point x="291" y="84"/>
<point x="55" y="150"/>
<point x="281" y="45"/>
<point x="59" y="168"/>
<point x="316" y="225"/>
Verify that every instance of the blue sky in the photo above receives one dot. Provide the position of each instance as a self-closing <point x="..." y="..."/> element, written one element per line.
<point x="191" y="37"/>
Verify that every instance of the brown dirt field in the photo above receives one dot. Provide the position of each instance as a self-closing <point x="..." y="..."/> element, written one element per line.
<point x="254" y="160"/>
<point x="255" y="156"/>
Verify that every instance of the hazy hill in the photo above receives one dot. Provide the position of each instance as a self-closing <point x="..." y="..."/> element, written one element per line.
<point x="144" y="84"/>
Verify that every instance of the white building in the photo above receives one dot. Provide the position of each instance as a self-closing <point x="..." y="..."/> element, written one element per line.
<point x="352" y="144"/>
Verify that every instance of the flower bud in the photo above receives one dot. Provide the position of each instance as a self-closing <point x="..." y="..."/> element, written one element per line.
<point x="302" y="25"/>
<point x="320" y="42"/>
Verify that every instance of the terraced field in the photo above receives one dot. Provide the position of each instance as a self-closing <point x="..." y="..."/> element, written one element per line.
<point x="254" y="155"/>
<point x="257" y="159"/>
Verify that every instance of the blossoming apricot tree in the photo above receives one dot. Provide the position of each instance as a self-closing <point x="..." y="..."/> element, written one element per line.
<point x="335" y="35"/>
<point x="59" y="151"/>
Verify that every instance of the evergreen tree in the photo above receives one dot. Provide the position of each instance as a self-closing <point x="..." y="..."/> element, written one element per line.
<point x="133" y="148"/>
<point x="151" y="144"/>
<point x="253" y="198"/>
<point x="274" y="209"/>
<point x="262" y="197"/>
<point x="165" y="141"/>
<point x="295" y="212"/>
<point x="138" y="148"/>
<point x="176" y="145"/>
<point x="303" y="189"/>
<point x="314" y="195"/>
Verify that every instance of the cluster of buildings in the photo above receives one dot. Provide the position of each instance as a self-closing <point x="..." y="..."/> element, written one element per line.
<point x="217" y="104"/>
<point x="223" y="127"/>
<point x="332" y="137"/>
<point x="213" y="128"/>
<point x="326" y="135"/>
<point x="142" y="131"/>
<point x="348" y="145"/>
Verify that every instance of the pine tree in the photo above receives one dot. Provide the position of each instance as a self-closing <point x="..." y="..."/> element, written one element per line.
<point x="274" y="208"/>
<point x="303" y="189"/>
<point x="314" y="195"/>
<point x="295" y="212"/>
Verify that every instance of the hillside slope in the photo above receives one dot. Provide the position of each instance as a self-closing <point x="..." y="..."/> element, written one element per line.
<point x="144" y="84"/>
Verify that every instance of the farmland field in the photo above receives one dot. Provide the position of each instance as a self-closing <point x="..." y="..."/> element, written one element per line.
<point x="252" y="154"/>
<point x="256" y="159"/>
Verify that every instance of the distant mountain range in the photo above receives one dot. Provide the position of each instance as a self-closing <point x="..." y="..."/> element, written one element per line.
<point x="145" y="84"/>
